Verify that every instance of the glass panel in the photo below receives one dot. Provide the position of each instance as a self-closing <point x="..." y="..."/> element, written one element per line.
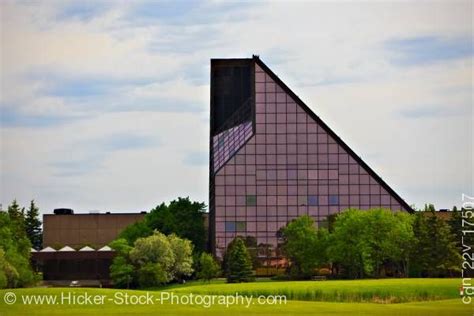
<point x="333" y="200"/>
<point x="251" y="200"/>
<point x="230" y="226"/>
<point x="240" y="226"/>
<point x="312" y="200"/>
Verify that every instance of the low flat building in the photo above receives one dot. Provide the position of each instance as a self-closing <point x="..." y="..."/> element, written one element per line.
<point x="75" y="246"/>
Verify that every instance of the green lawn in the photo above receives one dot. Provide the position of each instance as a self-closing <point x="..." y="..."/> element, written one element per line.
<point x="445" y="302"/>
<point x="382" y="290"/>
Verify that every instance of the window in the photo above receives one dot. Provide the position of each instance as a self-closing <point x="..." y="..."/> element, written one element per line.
<point x="251" y="200"/>
<point x="333" y="200"/>
<point x="230" y="226"/>
<point x="240" y="226"/>
<point x="312" y="200"/>
<point x="235" y="226"/>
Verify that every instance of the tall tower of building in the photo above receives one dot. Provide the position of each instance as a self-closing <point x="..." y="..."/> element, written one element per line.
<point x="273" y="159"/>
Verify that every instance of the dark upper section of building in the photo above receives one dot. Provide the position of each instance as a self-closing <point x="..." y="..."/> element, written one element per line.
<point x="231" y="93"/>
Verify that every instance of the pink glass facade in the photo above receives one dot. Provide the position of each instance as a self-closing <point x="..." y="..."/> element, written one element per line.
<point x="291" y="165"/>
<point x="225" y="144"/>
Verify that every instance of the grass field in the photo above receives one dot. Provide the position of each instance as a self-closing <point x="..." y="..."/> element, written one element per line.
<point x="378" y="291"/>
<point x="364" y="297"/>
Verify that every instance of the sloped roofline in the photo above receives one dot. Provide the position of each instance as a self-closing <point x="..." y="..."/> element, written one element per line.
<point x="310" y="112"/>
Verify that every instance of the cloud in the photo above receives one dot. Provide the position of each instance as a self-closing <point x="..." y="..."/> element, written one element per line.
<point x="78" y="77"/>
<point x="11" y="118"/>
<point x="83" y="10"/>
<point x="429" y="49"/>
<point x="199" y="158"/>
<point x="91" y="154"/>
<point x="434" y="111"/>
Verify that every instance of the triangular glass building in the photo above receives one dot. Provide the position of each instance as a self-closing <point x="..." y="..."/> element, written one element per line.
<point x="273" y="159"/>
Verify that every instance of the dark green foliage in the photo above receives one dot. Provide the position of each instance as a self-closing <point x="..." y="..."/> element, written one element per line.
<point x="238" y="262"/>
<point x="33" y="226"/>
<point x="15" y="248"/>
<point x="122" y="272"/>
<point x="456" y="225"/>
<point x="134" y="231"/>
<point x="151" y="274"/>
<point x="435" y="253"/>
<point x="181" y="217"/>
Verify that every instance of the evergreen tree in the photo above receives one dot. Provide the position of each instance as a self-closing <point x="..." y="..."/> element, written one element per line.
<point x="238" y="262"/>
<point x="15" y="212"/>
<point x="17" y="218"/>
<point x="33" y="226"/>
<point x="455" y="222"/>
<point x="443" y="256"/>
<point x="435" y="252"/>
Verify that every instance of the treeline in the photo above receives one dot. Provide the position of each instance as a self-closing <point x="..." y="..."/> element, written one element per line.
<point x="20" y="230"/>
<point x="374" y="243"/>
<point x="169" y="245"/>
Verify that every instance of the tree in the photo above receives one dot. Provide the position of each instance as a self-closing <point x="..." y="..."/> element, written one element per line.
<point x="15" y="248"/>
<point x="443" y="257"/>
<point x="208" y="267"/>
<point x="403" y="239"/>
<point x="181" y="217"/>
<point x="33" y="226"/>
<point x="382" y="228"/>
<point x="122" y="271"/>
<point x="455" y="223"/>
<point x="15" y="212"/>
<point x="238" y="262"/>
<point x="136" y="230"/>
<point x="300" y="246"/>
<point x="435" y="252"/>
<point x="349" y="247"/>
<point x="152" y="274"/>
<point x="17" y="220"/>
<point x="183" y="253"/>
<point x="155" y="249"/>
<point x="158" y="259"/>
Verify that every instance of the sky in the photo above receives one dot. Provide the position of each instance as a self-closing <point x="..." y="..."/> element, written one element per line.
<point x="105" y="104"/>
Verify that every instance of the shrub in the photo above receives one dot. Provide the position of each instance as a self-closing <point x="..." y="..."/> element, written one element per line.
<point x="208" y="267"/>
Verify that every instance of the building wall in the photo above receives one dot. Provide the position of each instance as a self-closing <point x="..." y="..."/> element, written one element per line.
<point x="290" y="166"/>
<point x="78" y="230"/>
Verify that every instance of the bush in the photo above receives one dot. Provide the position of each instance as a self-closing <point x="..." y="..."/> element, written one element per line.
<point x="157" y="259"/>
<point x="152" y="274"/>
<point x="208" y="267"/>
<point x="122" y="272"/>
